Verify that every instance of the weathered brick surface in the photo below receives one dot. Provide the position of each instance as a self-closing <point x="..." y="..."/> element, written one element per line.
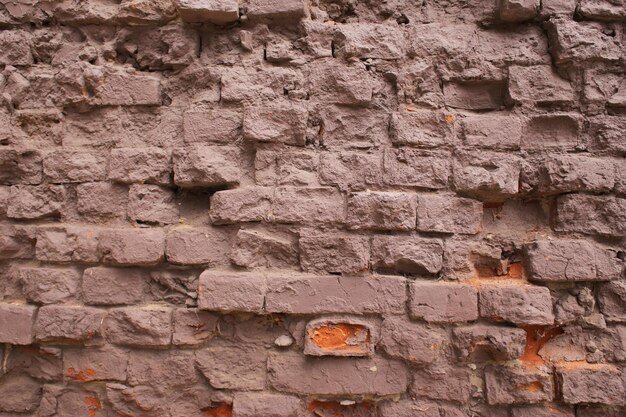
<point x="289" y="208"/>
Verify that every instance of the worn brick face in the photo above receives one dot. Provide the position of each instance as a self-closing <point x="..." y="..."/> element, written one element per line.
<point x="300" y="208"/>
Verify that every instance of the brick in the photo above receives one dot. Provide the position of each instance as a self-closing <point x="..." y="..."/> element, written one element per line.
<point x="564" y="174"/>
<point x="19" y="394"/>
<point x="541" y="411"/>
<point x="600" y="384"/>
<point x="418" y="408"/>
<point x="193" y="327"/>
<point x="69" y="325"/>
<point x="207" y="166"/>
<point x="65" y="166"/>
<point x="140" y="165"/>
<point x="577" y="42"/>
<point x="570" y="260"/>
<point x="497" y="132"/>
<point x="336" y="376"/>
<point x="481" y="342"/>
<point x="16" y="48"/>
<point x="315" y="294"/>
<point x="142" y="327"/>
<point x="251" y="404"/>
<point x="275" y="124"/>
<point x="248" y="204"/>
<point x="258" y="248"/>
<point x="522" y="305"/>
<point x="340" y="336"/>
<point x="125" y="89"/>
<point x="101" y="200"/>
<point x="311" y="205"/>
<point x="98" y="364"/>
<point x="231" y="291"/>
<point x="48" y="285"/>
<point x="17" y="242"/>
<point x="138" y="12"/>
<point x="475" y="95"/>
<point x="212" y="11"/>
<point x="558" y="7"/>
<point x="289" y="166"/>
<point x="556" y="131"/>
<point x="599" y="215"/>
<point x="443" y="383"/>
<point x="345" y="408"/>
<point x="233" y="366"/>
<point x="612" y="301"/>
<point x="276" y="10"/>
<point x="354" y="128"/>
<point x="20" y="166"/>
<point x="408" y="167"/>
<point x="152" y="204"/>
<point x="407" y="254"/>
<point x="340" y="84"/>
<point x="42" y="363"/>
<point x="132" y="246"/>
<point x="420" y="128"/>
<point x="212" y="126"/>
<point x="517" y="384"/>
<point x="443" y="303"/>
<point x="369" y="40"/>
<point x="334" y="253"/>
<point x="67" y="244"/>
<point x="518" y="10"/>
<point x="16" y="323"/>
<point x="382" y="211"/>
<point x="488" y="176"/>
<point x="114" y="286"/>
<point x="350" y="170"/>
<point x="196" y="246"/>
<point x="447" y="214"/>
<point x="602" y="10"/>
<point x="413" y="342"/>
<point x="36" y="202"/>
<point x="162" y="369"/>
<point x="539" y="84"/>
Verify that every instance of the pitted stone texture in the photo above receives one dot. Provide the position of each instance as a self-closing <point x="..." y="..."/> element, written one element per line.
<point x="36" y="202"/>
<point x="193" y="327"/>
<point x="406" y="167"/>
<point x="67" y="244"/>
<point x="207" y="166"/>
<point x="577" y="174"/>
<point x="497" y="132"/>
<point x="540" y="84"/>
<point x="340" y="336"/>
<point x="139" y="165"/>
<point x="151" y="204"/>
<point x="418" y="408"/>
<point x="612" y="301"/>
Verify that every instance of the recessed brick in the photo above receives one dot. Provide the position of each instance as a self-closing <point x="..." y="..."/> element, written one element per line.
<point x="340" y="336"/>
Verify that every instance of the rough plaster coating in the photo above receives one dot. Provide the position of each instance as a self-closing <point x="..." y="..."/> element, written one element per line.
<point x="331" y="208"/>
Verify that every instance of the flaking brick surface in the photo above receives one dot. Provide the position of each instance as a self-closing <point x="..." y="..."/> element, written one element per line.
<point x="312" y="208"/>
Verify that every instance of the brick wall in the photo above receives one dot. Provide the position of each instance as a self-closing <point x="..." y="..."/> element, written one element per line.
<point x="346" y="208"/>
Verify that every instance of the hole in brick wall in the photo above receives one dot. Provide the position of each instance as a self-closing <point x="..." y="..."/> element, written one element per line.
<point x="536" y="338"/>
<point x="402" y="20"/>
<point x="220" y="410"/>
<point x="343" y="337"/>
<point x="337" y="409"/>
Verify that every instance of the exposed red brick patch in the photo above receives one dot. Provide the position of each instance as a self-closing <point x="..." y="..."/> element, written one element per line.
<point x="84" y="375"/>
<point x="93" y="405"/>
<point x="341" y="337"/>
<point x="220" y="410"/>
<point x="536" y="338"/>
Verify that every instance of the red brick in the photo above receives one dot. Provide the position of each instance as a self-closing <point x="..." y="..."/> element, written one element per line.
<point x="16" y="323"/>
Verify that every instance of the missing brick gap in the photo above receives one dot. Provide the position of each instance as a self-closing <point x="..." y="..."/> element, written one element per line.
<point x="536" y="338"/>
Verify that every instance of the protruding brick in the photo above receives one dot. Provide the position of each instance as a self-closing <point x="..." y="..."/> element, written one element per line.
<point x="196" y="246"/>
<point x="250" y="404"/>
<point x="111" y="286"/>
<point x="487" y="342"/>
<point x="445" y="303"/>
<point x="518" y="304"/>
<point x="497" y="132"/>
<point x="249" y="204"/>
<point x="424" y="129"/>
<point x="231" y="291"/>
<point x="488" y="176"/>
<point x="408" y="254"/>
<point x="207" y="166"/>
<point x="414" y="342"/>
<point x="36" y="202"/>
<point x="100" y="364"/>
<point x="276" y="10"/>
<point x="16" y="323"/>
<point x="590" y="214"/>
<point x="65" y="244"/>
<point x="571" y="260"/>
<point x="564" y="174"/>
<point x="212" y="11"/>
<point x="382" y="211"/>
<point x="132" y="246"/>
<point x="340" y="336"/>
<point x="518" y="10"/>
<point x="140" y="165"/>
<point x="48" y="285"/>
<point x="275" y="124"/>
<point x="64" y="166"/>
<point x="233" y="366"/>
<point x="69" y="324"/>
<point x="600" y="384"/>
<point x="152" y="204"/>
<point x="518" y="384"/>
<point x="336" y="376"/>
<point x="408" y="167"/>
<point x="131" y="326"/>
<point x="193" y="327"/>
<point x="315" y="294"/>
<point x="448" y="214"/>
<point x="336" y="253"/>
<point x="311" y="205"/>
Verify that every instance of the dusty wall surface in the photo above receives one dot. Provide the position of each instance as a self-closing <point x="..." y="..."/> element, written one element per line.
<point x="340" y="209"/>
